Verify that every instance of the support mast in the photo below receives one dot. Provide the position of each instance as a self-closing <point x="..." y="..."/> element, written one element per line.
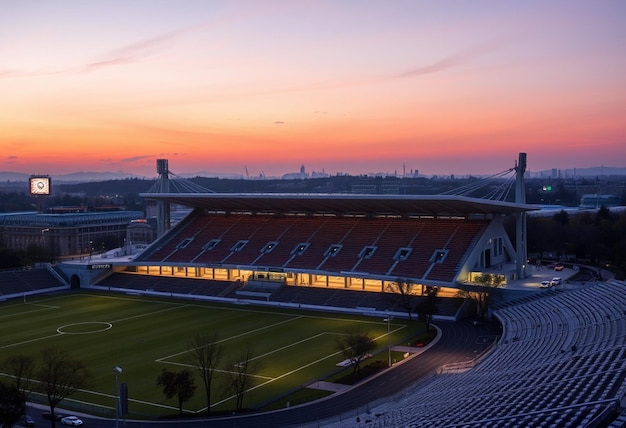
<point x="520" y="229"/>
<point x="163" y="208"/>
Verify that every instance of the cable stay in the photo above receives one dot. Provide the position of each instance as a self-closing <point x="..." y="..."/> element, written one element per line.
<point x="171" y="183"/>
<point x="495" y="187"/>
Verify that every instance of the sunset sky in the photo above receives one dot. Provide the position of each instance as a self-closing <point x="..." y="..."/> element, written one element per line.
<point x="341" y="86"/>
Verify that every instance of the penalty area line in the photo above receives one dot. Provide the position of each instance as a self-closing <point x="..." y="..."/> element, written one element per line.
<point x="296" y="318"/>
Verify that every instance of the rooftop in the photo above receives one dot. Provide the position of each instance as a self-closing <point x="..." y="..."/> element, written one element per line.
<point x="401" y="205"/>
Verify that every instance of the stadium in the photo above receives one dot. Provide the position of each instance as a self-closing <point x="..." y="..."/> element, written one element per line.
<point x="558" y="360"/>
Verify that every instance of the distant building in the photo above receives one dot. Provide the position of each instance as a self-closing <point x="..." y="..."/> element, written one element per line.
<point x="296" y="175"/>
<point x="593" y="201"/>
<point x="302" y="174"/>
<point x="376" y="186"/>
<point x="66" y="235"/>
<point x="141" y="231"/>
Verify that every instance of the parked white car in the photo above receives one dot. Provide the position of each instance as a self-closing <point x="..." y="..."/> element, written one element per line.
<point x="71" y="420"/>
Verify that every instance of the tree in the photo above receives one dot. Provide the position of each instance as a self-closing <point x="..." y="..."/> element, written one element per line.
<point x="60" y="376"/>
<point x="205" y="355"/>
<point x="21" y="367"/>
<point x="428" y="305"/>
<point x="242" y="377"/>
<point x="12" y="404"/>
<point x="177" y="384"/>
<point x="481" y="295"/>
<point x="562" y="217"/>
<point x="355" y="346"/>
<point x="406" y="292"/>
<point x="603" y="214"/>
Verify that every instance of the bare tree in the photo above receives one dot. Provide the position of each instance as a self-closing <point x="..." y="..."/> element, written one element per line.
<point x="60" y="376"/>
<point x="242" y="377"/>
<point x="407" y="291"/>
<point x="428" y="305"/>
<point x="355" y="346"/>
<point x="21" y="367"/>
<point x="177" y="384"/>
<point x="205" y="355"/>
<point x="486" y="285"/>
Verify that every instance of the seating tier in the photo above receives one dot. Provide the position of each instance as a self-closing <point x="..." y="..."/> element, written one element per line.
<point x="187" y="244"/>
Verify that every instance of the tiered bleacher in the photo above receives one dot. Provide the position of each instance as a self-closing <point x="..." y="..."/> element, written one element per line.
<point x="168" y="285"/>
<point x="396" y="247"/>
<point x="17" y="282"/>
<point x="297" y="295"/>
<point x="561" y="362"/>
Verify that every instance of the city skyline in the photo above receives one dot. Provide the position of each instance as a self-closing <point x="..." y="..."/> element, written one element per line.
<point x="342" y="87"/>
<point x="91" y="176"/>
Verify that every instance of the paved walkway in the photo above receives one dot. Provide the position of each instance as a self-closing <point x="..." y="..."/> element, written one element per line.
<point x="329" y="386"/>
<point x="409" y="349"/>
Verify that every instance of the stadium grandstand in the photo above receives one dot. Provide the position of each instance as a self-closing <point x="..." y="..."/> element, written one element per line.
<point x="279" y="247"/>
<point x="561" y="362"/>
<point x="348" y="241"/>
<point x="24" y="282"/>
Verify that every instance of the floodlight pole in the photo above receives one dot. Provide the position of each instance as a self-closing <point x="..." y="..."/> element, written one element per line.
<point x="388" y="319"/>
<point x="116" y="371"/>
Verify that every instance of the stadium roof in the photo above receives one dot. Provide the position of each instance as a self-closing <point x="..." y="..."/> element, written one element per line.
<point x="34" y="219"/>
<point x="340" y="203"/>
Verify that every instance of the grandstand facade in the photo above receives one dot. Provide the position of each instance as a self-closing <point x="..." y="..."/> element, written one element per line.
<point x="356" y="242"/>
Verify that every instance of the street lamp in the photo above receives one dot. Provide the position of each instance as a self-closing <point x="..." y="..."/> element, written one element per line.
<point x="388" y="320"/>
<point x="43" y="239"/>
<point x="117" y="370"/>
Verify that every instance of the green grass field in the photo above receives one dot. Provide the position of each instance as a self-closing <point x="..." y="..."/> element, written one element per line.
<point x="143" y="335"/>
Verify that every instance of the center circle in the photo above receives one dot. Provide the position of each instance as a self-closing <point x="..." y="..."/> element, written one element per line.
<point x="84" y="328"/>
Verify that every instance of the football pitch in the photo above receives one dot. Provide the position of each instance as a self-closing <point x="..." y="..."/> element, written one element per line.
<point x="143" y="335"/>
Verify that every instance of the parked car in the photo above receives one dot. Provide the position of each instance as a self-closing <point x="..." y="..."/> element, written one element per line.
<point x="555" y="281"/>
<point x="27" y="421"/>
<point x="71" y="420"/>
